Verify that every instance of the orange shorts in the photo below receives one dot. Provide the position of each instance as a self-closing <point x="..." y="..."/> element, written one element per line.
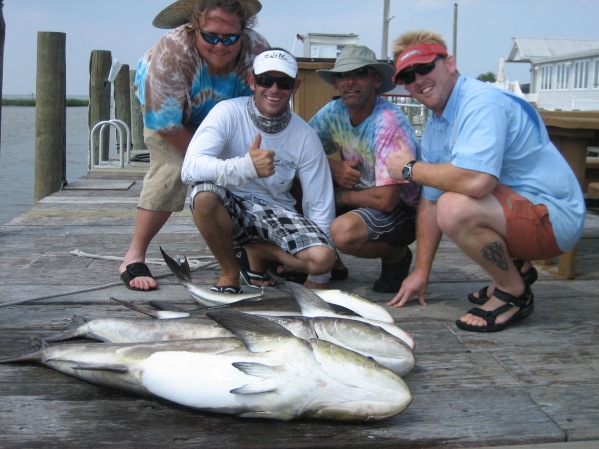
<point x="529" y="234"/>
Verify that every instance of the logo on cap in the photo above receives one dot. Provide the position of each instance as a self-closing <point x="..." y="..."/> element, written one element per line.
<point x="410" y="53"/>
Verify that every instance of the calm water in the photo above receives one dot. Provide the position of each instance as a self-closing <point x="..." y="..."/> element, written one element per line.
<point x="17" y="156"/>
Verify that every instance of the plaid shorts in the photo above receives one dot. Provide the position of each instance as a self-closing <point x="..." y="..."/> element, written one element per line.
<point x="257" y="220"/>
<point x="396" y="228"/>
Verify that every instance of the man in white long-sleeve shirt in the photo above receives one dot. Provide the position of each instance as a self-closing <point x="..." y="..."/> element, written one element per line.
<point x="242" y="162"/>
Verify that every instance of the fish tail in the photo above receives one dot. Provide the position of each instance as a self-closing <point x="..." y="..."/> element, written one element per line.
<point x="180" y="270"/>
<point x="36" y="346"/>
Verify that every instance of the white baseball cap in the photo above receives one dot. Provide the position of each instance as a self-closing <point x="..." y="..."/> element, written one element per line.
<point x="276" y="60"/>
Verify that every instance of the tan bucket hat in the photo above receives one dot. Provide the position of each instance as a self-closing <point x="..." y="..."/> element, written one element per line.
<point x="354" y="57"/>
<point x="180" y="12"/>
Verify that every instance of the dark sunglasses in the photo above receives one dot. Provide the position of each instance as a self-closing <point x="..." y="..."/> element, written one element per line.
<point x="409" y="76"/>
<point x="213" y="39"/>
<point x="358" y="73"/>
<point x="284" y="82"/>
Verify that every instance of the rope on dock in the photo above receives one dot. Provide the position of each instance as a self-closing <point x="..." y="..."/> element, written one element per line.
<point x="195" y="262"/>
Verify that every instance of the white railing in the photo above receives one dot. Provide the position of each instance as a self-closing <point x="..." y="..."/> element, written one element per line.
<point x="120" y="128"/>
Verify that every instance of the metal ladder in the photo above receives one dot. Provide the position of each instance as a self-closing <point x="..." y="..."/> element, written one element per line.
<point x="120" y="128"/>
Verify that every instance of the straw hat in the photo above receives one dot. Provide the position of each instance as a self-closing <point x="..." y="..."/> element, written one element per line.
<point x="180" y="12"/>
<point x="354" y="57"/>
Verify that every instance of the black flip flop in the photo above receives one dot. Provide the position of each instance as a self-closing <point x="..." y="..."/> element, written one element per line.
<point x="134" y="270"/>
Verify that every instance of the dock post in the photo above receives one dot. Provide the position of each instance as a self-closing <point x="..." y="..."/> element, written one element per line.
<point x="137" y="120"/>
<point x="99" y="97"/>
<point x="2" y="36"/>
<point x="50" y="115"/>
<point x="122" y="101"/>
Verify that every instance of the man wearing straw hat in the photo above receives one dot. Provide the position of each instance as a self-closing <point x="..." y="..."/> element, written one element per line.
<point x="375" y="213"/>
<point x="203" y="60"/>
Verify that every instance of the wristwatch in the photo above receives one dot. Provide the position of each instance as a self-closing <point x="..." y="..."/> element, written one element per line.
<point x="406" y="173"/>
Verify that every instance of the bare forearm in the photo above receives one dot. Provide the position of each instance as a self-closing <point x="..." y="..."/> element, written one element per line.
<point x="450" y="178"/>
<point x="428" y="236"/>
<point x="383" y="198"/>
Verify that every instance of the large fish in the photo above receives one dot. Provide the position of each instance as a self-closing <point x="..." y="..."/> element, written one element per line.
<point x="357" y="304"/>
<point x="313" y="305"/>
<point x="264" y="373"/>
<point x="366" y="339"/>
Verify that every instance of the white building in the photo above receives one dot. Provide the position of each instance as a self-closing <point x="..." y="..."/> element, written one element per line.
<point x="321" y="45"/>
<point x="564" y="72"/>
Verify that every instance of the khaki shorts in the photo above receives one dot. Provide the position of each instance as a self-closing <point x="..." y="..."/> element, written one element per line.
<point x="529" y="231"/>
<point x="163" y="190"/>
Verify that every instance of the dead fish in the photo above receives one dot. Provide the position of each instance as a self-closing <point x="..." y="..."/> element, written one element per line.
<point x="364" y="338"/>
<point x="312" y="306"/>
<point x="264" y="373"/>
<point x="202" y="295"/>
<point x="357" y="304"/>
<point x="136" y="330"/>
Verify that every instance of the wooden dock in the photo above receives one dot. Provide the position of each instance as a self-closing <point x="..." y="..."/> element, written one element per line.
<point x="534" y="385"/>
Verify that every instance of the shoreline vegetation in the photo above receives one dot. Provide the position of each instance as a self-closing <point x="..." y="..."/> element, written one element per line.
<point x="31" y="102"/>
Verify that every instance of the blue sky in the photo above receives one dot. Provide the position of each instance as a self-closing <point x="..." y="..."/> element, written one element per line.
<point x="124" y="27"/>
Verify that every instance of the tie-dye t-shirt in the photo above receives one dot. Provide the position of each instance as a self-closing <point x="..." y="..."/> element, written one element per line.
<point x="371" y="142"/>
<point x="173" y="84"/>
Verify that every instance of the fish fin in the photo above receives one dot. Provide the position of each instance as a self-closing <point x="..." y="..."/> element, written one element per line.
<point x="72" y="330"/>
<point x="37" y="344"/>
<point x="115" y="368"/>
<point x="181" y="270"/>
<point x="256" y="332"/>
<point x="139" y="309"/>
<point x="258" y="370"/>
<point x="166" y="306"/>
<point x="261" y="387"/>
<point x="309" y="302"/>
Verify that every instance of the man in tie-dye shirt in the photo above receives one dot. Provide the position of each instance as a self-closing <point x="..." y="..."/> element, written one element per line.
<point x="203" y="60"/>
<point x="375" y="213"/>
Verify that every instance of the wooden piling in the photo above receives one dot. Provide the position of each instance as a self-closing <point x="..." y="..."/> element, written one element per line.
<point x="50" y="115"/>
<point x="137" y="120"/>
<point x="99" y="100"/>
<point x="122" y="100"/>
<point x="2" y="34"/>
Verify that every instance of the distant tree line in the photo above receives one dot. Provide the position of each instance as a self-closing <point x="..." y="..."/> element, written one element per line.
<point x="31" y="102"/>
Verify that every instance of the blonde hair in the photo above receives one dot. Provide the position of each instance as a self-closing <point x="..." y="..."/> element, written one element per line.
<point x="411" y="38"/>
<point x="246" y="16"/>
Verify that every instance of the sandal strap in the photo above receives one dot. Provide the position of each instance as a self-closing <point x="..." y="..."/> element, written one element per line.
<point x="233" y="289"/>
<point x="490" y="315"/>
<point x="511" y="300"/>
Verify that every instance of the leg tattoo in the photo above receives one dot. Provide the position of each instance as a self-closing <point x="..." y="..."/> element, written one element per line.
<point x="494" y="252"/>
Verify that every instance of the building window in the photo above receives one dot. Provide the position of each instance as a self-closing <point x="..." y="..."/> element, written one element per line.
<point x="546" y="74"/>
<point x="596" y="74"/>
<point x="581" y="75"/>
<point x="563" y="76"/>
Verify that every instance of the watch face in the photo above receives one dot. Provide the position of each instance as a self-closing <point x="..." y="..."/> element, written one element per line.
<point x="405" y="173"/>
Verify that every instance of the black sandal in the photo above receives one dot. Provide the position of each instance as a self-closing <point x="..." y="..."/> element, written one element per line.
<point x="393" y="275"/>
<point x="529" y="277"/>
<point x="248" y="275"/>
<point x="524" y="301"/>
<point x="231" y="289"/>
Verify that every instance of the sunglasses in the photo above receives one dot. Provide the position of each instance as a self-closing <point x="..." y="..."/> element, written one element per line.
<point x="284" y="82"/>
<point x="409" y="76"/>
<point x="358" y="73"/>
<point x="213" y="39"/>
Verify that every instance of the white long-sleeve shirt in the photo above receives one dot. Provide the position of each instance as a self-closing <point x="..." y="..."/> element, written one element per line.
<point x="219" y="152"/>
